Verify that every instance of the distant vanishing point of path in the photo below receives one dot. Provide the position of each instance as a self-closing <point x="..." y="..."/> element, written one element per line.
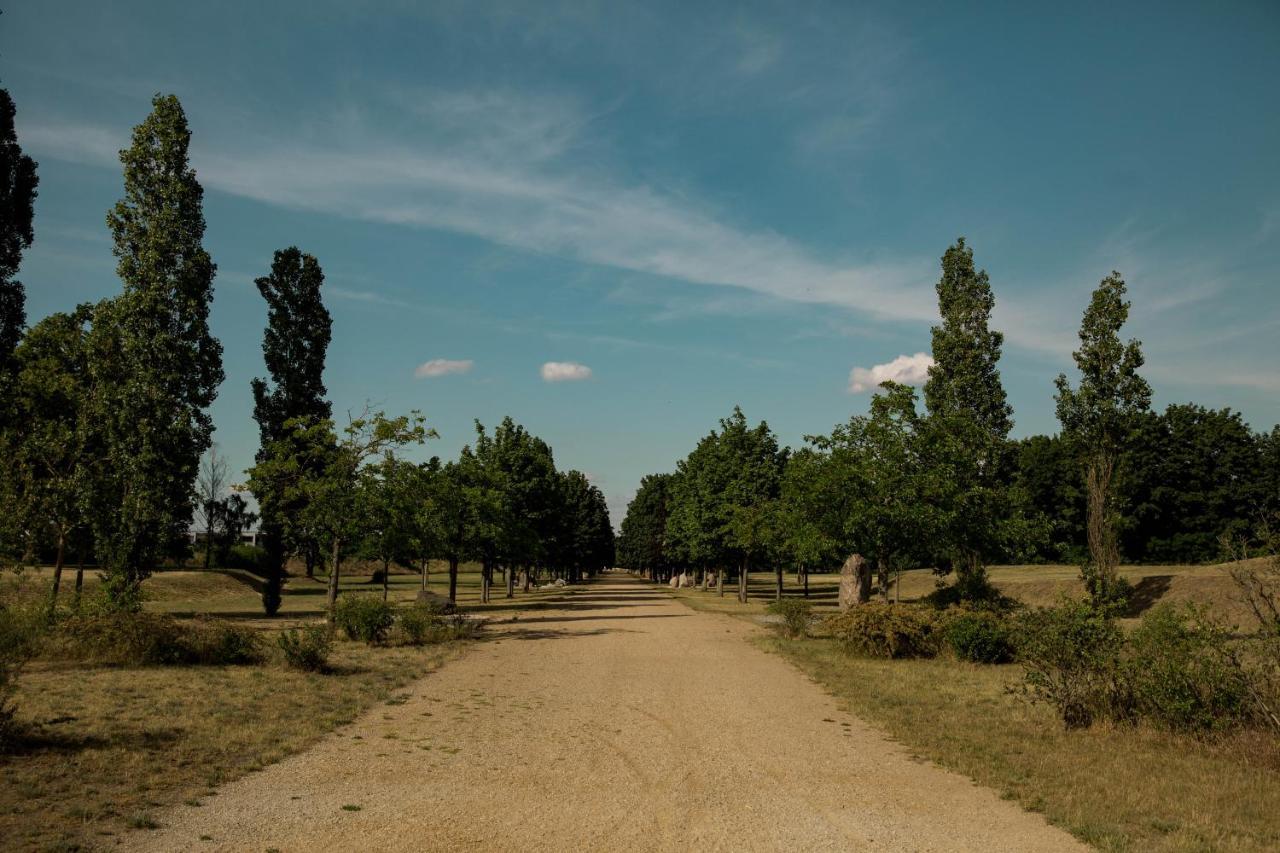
<point x="624" y="721"/>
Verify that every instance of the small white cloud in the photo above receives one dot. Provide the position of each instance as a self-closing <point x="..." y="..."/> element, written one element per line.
<point x="564" y="371"/>
<point x="906" y="369"/>
<point x="443" y="367"/>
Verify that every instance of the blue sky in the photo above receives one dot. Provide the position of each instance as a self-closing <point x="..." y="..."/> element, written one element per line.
<point x="703" y="204"/>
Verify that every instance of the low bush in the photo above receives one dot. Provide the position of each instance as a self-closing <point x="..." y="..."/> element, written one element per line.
<point x="150" y="639"/>
<point x="248" y="557"/>
<point x="979" y="636"/>
<point x="796" y="614"/>
<point x="886" y="630"/>
<point x="419" y="625"/>
<point x="307" y="649"/>
<point x="1071" y="659"/>
<point x="1182" y="673"/>
<point x="364" y="617"/>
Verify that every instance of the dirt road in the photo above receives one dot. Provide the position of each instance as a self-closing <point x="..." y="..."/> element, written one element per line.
<point x="623" y="721"/>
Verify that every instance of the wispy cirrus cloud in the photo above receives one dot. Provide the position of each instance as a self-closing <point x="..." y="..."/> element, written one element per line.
<point x="564" y="371"/>
<point x="443" y="367"/>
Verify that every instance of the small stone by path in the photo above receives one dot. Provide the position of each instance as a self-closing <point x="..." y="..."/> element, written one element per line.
<point x="624" y="721"/>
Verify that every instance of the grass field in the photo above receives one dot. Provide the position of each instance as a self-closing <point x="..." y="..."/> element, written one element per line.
<point x="1032" y="585"/>
<point x="109" y="746"/>
<point x="1118" y="788"/>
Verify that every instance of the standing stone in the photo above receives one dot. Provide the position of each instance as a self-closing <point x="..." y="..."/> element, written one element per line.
<point x="855" y="582"/>
<point x="674" y="583"/>
<point x="685" y="581"/>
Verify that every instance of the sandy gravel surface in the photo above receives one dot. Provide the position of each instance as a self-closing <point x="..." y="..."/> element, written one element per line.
<point x="624" y="721"/>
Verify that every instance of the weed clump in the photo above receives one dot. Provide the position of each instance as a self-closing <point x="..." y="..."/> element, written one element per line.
<point x="796" y="615"/>
<point x="307" y="649"/>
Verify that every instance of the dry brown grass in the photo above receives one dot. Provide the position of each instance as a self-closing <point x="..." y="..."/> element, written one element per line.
<point x="1120" y="789"/>
<point x="106" y="747"/>
<point x="1035" y="585"/>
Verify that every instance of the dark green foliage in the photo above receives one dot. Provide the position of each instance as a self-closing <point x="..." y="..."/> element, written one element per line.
<point x="885" y="630"/>
<point x="796" y="615"/>
<point x="1181" y="673"/>
<point x="966" y="433"/>
<point x="642" y="542"/>
<point x="18" y="183"/>
<point x="364" y="617"/>
<point x="154" y="364"/>
<point x="308" y="648"/>
<point x="979" y="636"/>
<point x="1195" y="475"/>
<point x="1048" y="473"/>
<point x="294" y="346"/>
<point x="1071" y="659"/>
<point x="121" y="638"/>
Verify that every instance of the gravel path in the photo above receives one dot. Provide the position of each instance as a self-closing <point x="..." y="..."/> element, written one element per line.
<point x="624" y="721"/>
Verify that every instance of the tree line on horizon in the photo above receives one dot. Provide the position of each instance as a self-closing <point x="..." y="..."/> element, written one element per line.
<point x="104" y="421"/>
<point x="948" y="489"/>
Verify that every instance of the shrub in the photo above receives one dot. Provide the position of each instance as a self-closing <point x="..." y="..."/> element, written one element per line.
<point x="980" y="636"/>
<point x="886" y="630"/>
<point x="215" y="641"/>
<point x="307" y="649"/>
<point x="364" y="617"/>
<point x="420" y="626"/>
<point x="796" y="614"/>
<point x="1182" y="673"/>
<point x="1070" y="654"/>
<point x="241" y="556"/>
<point x="143" y="639"/>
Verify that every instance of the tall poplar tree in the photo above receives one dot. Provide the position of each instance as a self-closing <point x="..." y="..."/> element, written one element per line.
<point x="154" y="364"/>
<point x="1098" y="416"/>
<point x="969" y="416"/>
<point x="18" y="183"/>
<point x="294" y="346"/>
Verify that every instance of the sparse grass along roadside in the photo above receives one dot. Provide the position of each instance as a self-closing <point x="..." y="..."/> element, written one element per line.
<point x="1118" y="788"/>
<point x="106" y="748"/>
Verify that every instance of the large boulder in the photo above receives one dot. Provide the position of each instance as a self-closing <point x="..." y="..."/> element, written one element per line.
<point x="437" y="604"/>
<point x="855" y="582"/>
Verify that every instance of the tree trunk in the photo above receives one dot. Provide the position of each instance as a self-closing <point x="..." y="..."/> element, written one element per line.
<point x="386" y="578"/>
<point x="1104" y="551"/>
<point x="720" y="581"/>
<point x="864" y="582"/>
<point x="332" y="598"/>
<point x="706" y="579"/>
<point x="778" y="570"/>
<point x="425" y="572"/>
<point x="882" y="577"/>
<point x="528" y="578"/>
<point x="453" y="579"/>
<point x="309" y="556"/>
<point x="744" y="579"/>
<point x="57" y="572"/>
<point x="806" y="583"/>
<point x="79" y="574"/>
<point x="511" y="582"/>
<point x="208" y="537"/>
<point x="485" y="579"/>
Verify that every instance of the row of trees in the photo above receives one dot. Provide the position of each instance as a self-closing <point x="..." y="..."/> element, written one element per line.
<point x="948" y="488"/>
<point x="105" y="418"/>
